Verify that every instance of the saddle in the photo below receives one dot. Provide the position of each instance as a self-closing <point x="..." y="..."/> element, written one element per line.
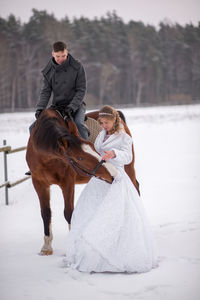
<point x="94" y="128"/>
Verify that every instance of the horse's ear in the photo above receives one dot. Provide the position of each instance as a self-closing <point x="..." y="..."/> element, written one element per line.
<point x="63" y="144"/>
<point x="72" y="128"/>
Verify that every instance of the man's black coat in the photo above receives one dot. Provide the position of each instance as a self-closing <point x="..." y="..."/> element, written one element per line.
<point x="67" y="82"/>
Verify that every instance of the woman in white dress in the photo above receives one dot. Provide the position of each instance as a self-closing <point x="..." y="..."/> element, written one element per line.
<point x="109" y="231"/>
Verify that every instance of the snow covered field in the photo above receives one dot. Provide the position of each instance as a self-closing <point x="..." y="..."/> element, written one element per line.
<point x="167" y="149"/>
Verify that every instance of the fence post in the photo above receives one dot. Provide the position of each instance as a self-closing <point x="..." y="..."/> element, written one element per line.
<point x="5" y="173"/>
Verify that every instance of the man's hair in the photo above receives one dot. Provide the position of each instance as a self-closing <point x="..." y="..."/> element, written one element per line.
<point x="59" y="46"/>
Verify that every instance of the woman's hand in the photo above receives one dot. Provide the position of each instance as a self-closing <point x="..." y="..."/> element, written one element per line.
<point x="108" y="155"/>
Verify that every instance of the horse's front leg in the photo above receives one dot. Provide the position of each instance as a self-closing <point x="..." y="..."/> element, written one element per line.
<point x="68" y="194"/>
<point x="43" y="192"/>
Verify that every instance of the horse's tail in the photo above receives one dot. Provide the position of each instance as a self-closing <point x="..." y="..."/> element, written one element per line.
<point x="48" y="134"/>
<point x="122" y="116"/>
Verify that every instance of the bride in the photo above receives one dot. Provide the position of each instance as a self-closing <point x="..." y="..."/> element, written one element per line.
<point x="109" y="231"/>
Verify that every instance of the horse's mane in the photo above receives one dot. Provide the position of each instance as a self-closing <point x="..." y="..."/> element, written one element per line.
<point x="122" y="116"/>
<point x="49" y="132"/>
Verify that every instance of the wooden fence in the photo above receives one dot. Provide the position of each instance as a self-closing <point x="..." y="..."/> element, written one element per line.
<point x="7" y="184"/>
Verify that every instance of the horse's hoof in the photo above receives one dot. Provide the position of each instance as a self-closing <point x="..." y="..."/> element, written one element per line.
<point x="46" y="252"/>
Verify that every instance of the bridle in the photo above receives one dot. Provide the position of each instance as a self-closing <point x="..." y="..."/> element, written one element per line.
<point x="82" y="170"/>
<point x="79" y="170"/>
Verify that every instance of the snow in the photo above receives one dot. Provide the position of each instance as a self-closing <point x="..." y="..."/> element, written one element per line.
<point x="167" y="147"/>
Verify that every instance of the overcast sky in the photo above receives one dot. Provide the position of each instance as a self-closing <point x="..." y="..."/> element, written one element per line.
<point x="147" y="11"/>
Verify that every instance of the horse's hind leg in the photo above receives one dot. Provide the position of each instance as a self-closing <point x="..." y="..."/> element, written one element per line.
<point x="43" y="192"/>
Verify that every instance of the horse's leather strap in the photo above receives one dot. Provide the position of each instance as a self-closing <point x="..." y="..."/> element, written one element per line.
<point x="77" y="168"/>
<point x="97" y="167"/>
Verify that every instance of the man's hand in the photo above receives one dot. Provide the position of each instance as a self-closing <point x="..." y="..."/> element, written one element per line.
<point x="108" y="155"/>
<point x="69" y="111"/>
<point x="37" y="113"/>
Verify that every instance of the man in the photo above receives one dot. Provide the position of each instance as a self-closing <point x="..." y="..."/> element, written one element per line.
<point x="65" y="77"/>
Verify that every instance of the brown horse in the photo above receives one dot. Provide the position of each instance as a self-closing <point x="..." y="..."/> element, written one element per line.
<point x="57" y="155"/>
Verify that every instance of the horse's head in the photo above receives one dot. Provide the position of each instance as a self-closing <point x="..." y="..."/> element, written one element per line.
<point x="52" y="135"/>
<point x="85" y="161"/>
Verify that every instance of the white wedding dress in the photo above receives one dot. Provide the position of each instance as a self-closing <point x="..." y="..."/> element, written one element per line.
<point x="109" y="230"/>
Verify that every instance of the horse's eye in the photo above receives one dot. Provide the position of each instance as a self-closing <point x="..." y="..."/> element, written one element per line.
<point x="79" y="158"/>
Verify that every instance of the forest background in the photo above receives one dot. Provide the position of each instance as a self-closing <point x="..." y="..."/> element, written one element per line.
<point x="127" y="64"/>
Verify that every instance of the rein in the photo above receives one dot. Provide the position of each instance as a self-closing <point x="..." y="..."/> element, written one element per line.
<point x="81" y="170"/>
<point x="64" y="116"/>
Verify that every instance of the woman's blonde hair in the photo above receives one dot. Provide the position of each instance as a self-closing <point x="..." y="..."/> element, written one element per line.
<point x="108" y="112"/>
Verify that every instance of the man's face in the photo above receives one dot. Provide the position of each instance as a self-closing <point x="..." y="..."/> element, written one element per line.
<point x="60" y="56"/>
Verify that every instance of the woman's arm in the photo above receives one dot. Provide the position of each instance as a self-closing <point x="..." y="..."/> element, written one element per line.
<point x="123" y="154"/>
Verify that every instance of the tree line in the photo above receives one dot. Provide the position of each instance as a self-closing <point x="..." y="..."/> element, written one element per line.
<point x="126" y="63"/>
